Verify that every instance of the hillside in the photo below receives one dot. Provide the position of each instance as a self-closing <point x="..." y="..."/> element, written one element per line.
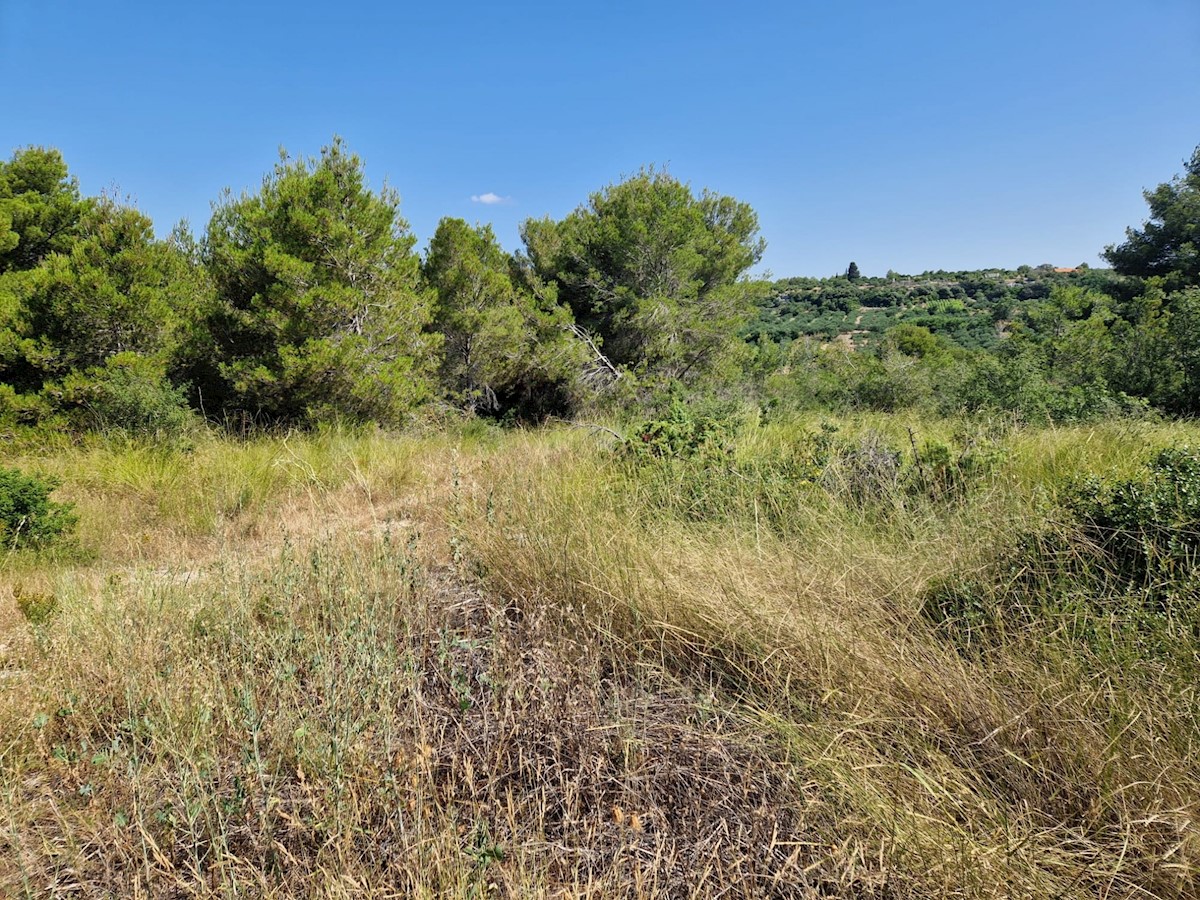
<point x="969" y="309"/>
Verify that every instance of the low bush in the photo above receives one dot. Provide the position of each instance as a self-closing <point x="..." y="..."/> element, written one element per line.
<point x="680" y="434"/>
<point x="28" y="517"/>
<point x="944" y="470"/>
<point x="1143" y="532"/>
<point x="1113" y="565"/>
<point x="36" y="606"/>
<point x="131" y="394"/>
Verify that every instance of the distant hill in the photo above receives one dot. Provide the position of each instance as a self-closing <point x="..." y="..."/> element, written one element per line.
<point x="968" y="308"/>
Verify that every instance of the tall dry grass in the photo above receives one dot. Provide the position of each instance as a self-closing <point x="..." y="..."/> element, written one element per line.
<point x="517" y="664"/>
<point x="1028" y="770"/>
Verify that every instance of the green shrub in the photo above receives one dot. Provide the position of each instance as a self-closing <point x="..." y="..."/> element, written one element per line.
<point x="22" y="410"/>
<point x="681" y="434"/>
<point x="1144" y="531"/>
<point x="128" y="393"/>
<point x="1113" y="567"/>
<point x="942" y="471"/>
<point x="36" y="607"/>
<point x="28" y="517"/>
<point x="690" y="464"/>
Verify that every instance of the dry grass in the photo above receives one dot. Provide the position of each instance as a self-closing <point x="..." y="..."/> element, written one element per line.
<point x="1029" y="770"/>
<point x="484" y="665"/>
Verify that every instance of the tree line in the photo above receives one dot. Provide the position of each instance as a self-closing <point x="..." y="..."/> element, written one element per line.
<point x="306" y="302"/>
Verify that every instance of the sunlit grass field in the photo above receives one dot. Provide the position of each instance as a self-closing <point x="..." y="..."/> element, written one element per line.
<point x="479" y="663"/>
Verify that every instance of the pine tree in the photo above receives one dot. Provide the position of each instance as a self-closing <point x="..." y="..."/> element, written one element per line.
<point x="505" y="340"/>
<point x="319" y="312"/>
<point x="654" y="271"/>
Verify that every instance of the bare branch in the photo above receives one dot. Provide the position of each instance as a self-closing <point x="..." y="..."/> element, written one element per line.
<point x="588" y="425"/>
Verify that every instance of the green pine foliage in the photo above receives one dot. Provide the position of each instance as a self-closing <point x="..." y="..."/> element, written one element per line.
<point x="654" y="273"/>
<point x="40" y="208"/>
<point x="305" y="303"/>
<point x="508" y="345"/>
<point x="87" y="295"/>
<point x="130" y="393"/>
<point x="319" y="312"/>
<point x="1167" y="246"/>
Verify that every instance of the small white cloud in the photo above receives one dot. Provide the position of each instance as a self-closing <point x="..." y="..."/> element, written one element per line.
<point x="490" y="199"/>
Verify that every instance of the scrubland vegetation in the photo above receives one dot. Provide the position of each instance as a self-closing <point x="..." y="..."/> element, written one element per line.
<point x="775" y="660"/>
<point x="332" y="570"/>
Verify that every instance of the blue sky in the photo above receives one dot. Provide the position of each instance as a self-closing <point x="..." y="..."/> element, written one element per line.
<point x="906" y="136"/>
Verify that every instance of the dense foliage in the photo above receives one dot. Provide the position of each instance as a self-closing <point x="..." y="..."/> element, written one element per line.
<point x="1145" y="529"/>
<point x="1168" y="245"/>
<point x="653" y="271"/>
<point x="508" y="344"/>
<point x="306" y="302"/>
<point x="319" y="309"/>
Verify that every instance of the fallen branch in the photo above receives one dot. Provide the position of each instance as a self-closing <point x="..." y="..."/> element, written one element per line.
<point x="599" y="357"/>
<point x="590" y="426"/>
